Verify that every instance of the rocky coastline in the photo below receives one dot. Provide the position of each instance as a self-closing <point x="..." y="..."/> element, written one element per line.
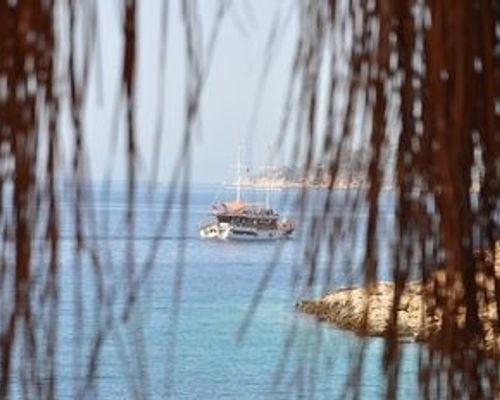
<point x="367" y="311"/>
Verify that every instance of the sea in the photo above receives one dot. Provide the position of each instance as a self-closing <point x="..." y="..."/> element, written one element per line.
<point x="148" y="309"/>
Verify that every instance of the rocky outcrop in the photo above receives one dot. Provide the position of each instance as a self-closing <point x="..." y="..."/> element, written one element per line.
<point x="368" y="311"/>
<point x="419" y="311"/>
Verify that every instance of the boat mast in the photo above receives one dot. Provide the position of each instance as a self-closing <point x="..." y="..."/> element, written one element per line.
<point x="268" y="192"/>
<point x="269" y="176"/>
<point x="238" y="177"/>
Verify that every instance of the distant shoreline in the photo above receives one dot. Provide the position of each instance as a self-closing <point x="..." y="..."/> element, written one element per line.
<point x="341" y="183"/>
<point x="264" y="183"/>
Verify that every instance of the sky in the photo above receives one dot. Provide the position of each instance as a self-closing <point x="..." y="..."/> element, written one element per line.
<point x="228" y="117"/>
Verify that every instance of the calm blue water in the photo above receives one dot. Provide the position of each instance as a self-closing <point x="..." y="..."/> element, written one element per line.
<point x="185" y="344"/>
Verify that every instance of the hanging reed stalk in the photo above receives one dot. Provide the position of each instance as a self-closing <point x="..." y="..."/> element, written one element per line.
<point x="428" y="72"/>
<point x="413" y="81"/>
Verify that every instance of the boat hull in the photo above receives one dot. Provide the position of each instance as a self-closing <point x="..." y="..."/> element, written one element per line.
<point x="224" y="231"/>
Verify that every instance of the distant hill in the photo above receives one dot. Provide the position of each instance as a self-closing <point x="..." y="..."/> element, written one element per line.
<point x="283" y="176"/>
